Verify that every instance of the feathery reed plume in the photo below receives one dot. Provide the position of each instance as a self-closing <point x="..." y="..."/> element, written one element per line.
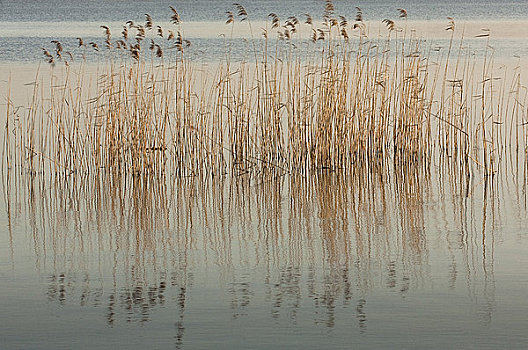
<point x="140" y="35"/>
<point x="58" y="48"/>
<point x="402" y="13"/>
<point x="175" y="18"/>
<point x="275" y="21"/>
<point x="451" y="24"/>
<point x="329" y="9"/>
<point x="343" y="21"/>
<point x="160" y="31"/>
<point x="124" y="33"/>
<point x="159" y="51"/>
<point x="140" y="31"/>
<point x="389" y="24"/>
<point x="230" y="17"/>
<point x="121" y="44"/>
<point x="49" y="57"/>
<point x="358" y="25"/>
<point x="359" y="15"/>
<point x="285" y="34"/>
<point x="106" y="32"/>
<point x="134" y="52"/>
<point x="321" y="35"/>
<point x="344" y="33"/>
<point x="241" y="11"/>
<point x="148" y="21"/>
<point x="70" y="55"/>
<point x="108" y="36"/>
<point x="292" y="21"/>
<point x="46" y="53"/>
<point x="314" y="36"/>
<point x="80" y="42"/>
<point x="309" y="19"/>
<point x="180" y="42"/>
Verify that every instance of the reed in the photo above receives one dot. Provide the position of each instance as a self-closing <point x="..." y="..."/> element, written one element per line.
<point x="328" y="101"/>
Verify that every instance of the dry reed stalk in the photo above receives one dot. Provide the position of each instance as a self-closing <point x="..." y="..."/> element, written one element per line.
<point x="337" y="102"/>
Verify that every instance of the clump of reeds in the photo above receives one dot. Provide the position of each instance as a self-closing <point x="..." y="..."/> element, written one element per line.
<point x="339" y="99"/>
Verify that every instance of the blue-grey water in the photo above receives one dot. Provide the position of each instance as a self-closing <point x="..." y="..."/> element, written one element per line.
<point x="201" y="10"/>
<point x="26" y="26"/>
<point x="384" y="259"/>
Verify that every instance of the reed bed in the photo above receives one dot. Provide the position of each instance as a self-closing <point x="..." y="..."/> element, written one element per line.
<point x="327" y="101"/>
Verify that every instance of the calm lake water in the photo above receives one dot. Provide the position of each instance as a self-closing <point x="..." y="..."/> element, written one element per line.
<point x="29" y="25"/>
<point x="378" y="259"/>
<point x="388" y="257"/>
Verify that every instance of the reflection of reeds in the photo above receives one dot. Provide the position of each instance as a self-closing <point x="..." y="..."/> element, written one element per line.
<point x="345" y="230"/>
<point x="298" y="106"/>
<point x="327" y="239"/>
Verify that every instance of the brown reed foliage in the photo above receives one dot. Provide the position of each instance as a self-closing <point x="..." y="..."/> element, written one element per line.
<point x="339" y="99"/>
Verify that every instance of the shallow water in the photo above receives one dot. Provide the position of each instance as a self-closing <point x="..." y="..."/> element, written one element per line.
<point x="390" y="256"/>
<point x="377" y="259"/>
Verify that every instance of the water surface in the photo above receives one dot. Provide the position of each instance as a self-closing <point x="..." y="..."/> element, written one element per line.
<point x="27" y="26"/>
<point x="380" y="259"/>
